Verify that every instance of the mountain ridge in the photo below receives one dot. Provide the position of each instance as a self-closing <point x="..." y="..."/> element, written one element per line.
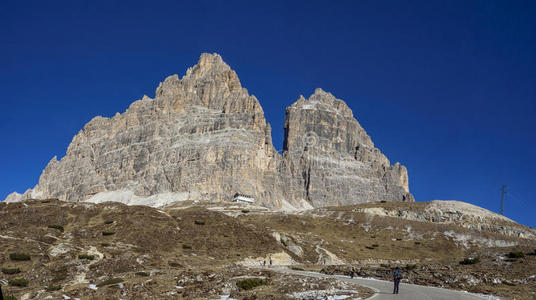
<point x="205" y="137"/>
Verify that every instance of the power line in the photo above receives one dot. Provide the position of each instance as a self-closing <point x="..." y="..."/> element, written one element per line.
<point x="503" y="192"/>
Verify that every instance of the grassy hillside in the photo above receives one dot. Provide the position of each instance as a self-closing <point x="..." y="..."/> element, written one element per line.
<point x="113" y="250"/>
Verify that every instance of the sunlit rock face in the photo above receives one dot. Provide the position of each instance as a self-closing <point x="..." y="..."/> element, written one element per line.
<point x="332" y="156"/>
<point x="204" y="137"/>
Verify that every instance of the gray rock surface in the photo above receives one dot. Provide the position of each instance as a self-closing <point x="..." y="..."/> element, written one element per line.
<point x="332" y="156"/>
<point x="204" y="137"/>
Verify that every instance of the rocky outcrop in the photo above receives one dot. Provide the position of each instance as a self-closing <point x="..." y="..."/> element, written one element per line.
<point x="334" y="159"/>
<point x="203" y="136"/>
<point x="453" y="212"/>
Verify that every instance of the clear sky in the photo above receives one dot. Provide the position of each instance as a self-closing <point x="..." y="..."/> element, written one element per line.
<point x="448" y="88"/>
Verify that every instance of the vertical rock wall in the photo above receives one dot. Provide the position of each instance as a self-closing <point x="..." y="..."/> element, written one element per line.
<point x="205" y="137"/>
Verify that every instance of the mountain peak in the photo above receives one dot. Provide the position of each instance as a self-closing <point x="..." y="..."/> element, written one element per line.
<point x="205" y="137"/>
<point x="207" y="64"/>
<point x="322" y="100"/>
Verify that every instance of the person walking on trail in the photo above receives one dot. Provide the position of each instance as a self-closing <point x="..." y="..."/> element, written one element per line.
<point x="270" y="261"/>
<point x="353" y="272"/>
<point x="397" y="276"/>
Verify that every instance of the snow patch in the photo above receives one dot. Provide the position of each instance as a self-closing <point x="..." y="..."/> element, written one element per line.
<point x="129" y="198"/>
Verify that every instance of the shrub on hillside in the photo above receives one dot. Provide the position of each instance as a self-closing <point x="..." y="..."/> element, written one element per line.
<point x="108" y="222"/>
<point x="18" y="282"/>
<point x="105" y="233"/>
<point x="250" y="283"/>
<point x="470" y="261"/>
<point x="86" y="256"/>
<point x="52" y="288"/>
<point x="58" y="227"/>
<point x="145" y="274"/>
<point x="516" y="254"/>
<point x="196" y="222"/>
<point x="19" y="256"/>
<point x="10" y="271"/>
<point x="174" y="264"/>
<point x="59" y="274"/>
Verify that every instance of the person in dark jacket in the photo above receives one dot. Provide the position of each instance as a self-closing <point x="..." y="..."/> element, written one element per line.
<point x="353" y="271"/>
<point x="397" y="276"/>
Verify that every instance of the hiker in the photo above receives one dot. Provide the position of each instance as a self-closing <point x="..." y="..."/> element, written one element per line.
<point x="264" y="263"/>
<point x="270" y="261"/>
<point x="397" y="276"/>
<point x="353" y="271"/>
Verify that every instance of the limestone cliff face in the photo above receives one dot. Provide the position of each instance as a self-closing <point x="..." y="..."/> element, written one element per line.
<point x="332" y="156"/>
<point x="203" y="136"/>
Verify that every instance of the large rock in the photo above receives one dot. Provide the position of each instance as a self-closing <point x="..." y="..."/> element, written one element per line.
<point x="205" y="137"/>
<point x="332" y="156"/>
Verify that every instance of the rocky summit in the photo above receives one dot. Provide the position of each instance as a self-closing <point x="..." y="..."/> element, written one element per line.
<point x="204" y="137"/>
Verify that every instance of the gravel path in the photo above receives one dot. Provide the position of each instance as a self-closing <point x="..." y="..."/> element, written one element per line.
<point x="384" y="289"/>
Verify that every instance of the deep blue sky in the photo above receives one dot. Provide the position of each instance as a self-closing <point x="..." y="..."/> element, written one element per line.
<point x="448" y="88"/>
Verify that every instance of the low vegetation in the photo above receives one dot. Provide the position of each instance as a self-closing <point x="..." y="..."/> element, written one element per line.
<point x="10" y="271"/>
<point x="10" y="297"/>
<point x="108" y="222"/>
<point x="105" y="233"/>
<point x="110" y="282"/>
<point x="174" y="264"/>
<point x="19" y="256"/>
<point x="196" y="222"/>
<point x="59" y="274"/>
<point x="250" y="283"/>
<point x="144" y="274"/>
<point x="372" y="247"/>
<point x="52" y="288"/>
<point x="58" y="227"/>
<point x="516" y="254"/>
<point x="18" y="282"/>
<point x="470" y="261"/>
<point x="86" y="256"/>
